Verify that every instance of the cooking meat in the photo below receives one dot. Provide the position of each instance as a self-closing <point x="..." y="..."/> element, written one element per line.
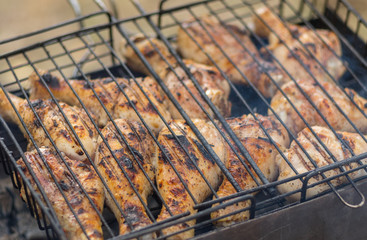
<point x="169" y="184"/>
<point x="261" y="150"/>
<point x="82" y="207"/>
<point x="327" y="108"/>
<point x="316" y="151"/>
<point x="110" y="95"/>
<point x="321" y="44"/>
<point x="55" y="124"/>
<point x="138" y="170"/>
<point x="216" y="34"/>
<point x="214" y="85"/>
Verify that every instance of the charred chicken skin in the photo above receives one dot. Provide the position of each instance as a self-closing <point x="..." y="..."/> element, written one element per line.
<point x="324" y="104"/>
<point x="231" y="40"/>
<point x="211" y="81"/>
<point x="318" y="154"/>
<point x="261" y="150"/>
<point x="110" y="95"/>
<point x="111" y="169"/>
<point x="55" y="124"/>
<point x="322" y="45"/>
<point x="82" y="207"/>
<point x="169" y="184"/>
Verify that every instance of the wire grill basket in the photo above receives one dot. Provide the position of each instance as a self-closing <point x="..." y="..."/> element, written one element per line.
<point x="93" y="52"/>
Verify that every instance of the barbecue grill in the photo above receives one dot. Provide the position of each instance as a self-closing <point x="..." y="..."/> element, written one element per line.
<point x="93" y="52"/>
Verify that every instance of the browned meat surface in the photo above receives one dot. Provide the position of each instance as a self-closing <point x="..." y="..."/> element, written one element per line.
<point x="169" y="185"/>
<point x="110" y="168"/>
<point x="318" y="154"/>
<point x="82" y="207"/>
<point x="317" y="44"/>
<point x="55" y="124"/>
<point x="327" y="108"/>
<point x="217" y="34"/>
<point x="262" y="151"/>
<point x="213" y="84"/>
<point x="110" y="95"/>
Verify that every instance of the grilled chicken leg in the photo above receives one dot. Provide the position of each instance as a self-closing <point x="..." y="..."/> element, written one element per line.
<point x="327" y="108"/>
<point x="80" y="204"/>
<point x="141" y="143"/>
<point x="317" y="43"/>
<point x="55" y="124"/>
<point x="262" y="151"/>
<point x="208" y="32"/>
<point x="110" y="95"/>
<point x="302" y="163"/>
<point x="213" y="84"/>
<point x="169" y="184"/>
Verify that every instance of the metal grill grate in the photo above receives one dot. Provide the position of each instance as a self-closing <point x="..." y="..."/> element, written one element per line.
<point x="90" y="53"/>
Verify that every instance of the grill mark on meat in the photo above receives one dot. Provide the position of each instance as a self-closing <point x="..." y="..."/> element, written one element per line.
<point x="304" y="162"/>
<point x="66" y="135"/>
<point x="38" y="104"/>
<point x="105" y="94"/>
<point x="345" y="144"/>
<point x="51" y="81"/>
<point x="310" y="45"/>
<point x="86" y="126"/>
<point x="204" y="151"/>
<point x="138" y="155"/>
<point x="64" y="186"/>
<point x="319" y="149"/>
<point x="134" y="213"/>
<point x="37" y="123"/>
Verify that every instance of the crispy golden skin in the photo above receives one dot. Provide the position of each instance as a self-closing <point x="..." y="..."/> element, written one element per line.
<point x="144" y="149"/>
<point x="170" y="186"/>
<point x="110" y="95"/>
<point x="327" y="108"/>
<point x="262" y="151"/>
<point x="224" y="36"/>
<point x="82" y="207"/>
<point x="316" y="151"/>
<point x="54" y="123"/>
<point x="317" y="44"/>
<point x="214" y="85"/>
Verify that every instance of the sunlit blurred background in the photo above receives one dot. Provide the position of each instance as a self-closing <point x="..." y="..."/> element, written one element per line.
<point x="24" y="16"/>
